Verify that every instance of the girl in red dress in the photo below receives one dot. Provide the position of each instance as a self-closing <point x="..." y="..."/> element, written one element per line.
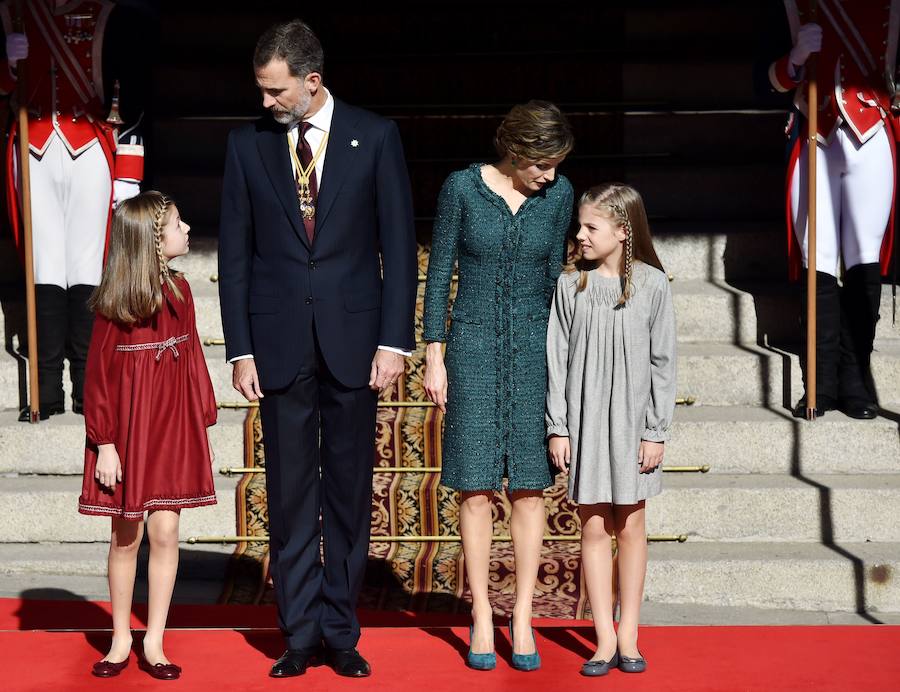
<point x="148" y="402"/>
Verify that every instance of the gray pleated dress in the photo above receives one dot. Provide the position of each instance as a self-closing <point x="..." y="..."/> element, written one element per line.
<point x="611" y="381"/>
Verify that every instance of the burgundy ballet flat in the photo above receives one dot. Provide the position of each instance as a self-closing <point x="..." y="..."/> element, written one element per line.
<point x="161" y="671"/>
<point x="108" y="669"/>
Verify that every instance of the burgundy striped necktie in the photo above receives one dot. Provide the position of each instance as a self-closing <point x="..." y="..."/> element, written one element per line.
<point x="304" y="151"/>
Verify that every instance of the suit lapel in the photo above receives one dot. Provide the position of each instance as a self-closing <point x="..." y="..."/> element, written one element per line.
<point x="272" y="145"/>
<point x="339" y="157"/>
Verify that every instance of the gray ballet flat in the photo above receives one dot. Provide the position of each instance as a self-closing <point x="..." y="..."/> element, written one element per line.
<point x="632" y="665"/>
<point x="596" y="669"/>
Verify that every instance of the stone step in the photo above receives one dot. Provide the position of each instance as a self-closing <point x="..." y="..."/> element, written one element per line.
<point x="707" y="311"/>
<point x="756" y="440"/>
<point x="746" y="375"/>
<point x="199" y="561"/>
<point x="56" y="446"/>
<point x="714" y="374"/>
<point x="789" y="576"/>
<point x="772" y="508"/>
<point x="735" y="508"/>
<point x="729" y="439"/>
<point x="45" y="508"/>
<point x="708" y="250"/>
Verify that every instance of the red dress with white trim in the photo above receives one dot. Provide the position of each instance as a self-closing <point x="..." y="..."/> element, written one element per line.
<point x="148" y="392"/>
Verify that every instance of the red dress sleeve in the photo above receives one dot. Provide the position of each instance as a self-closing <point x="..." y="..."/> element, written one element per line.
<point x="199" y="373"/>
<point x="100" y="394"/>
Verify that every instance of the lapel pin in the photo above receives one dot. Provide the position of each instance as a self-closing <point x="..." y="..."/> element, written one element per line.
<point x="354" y="142"/>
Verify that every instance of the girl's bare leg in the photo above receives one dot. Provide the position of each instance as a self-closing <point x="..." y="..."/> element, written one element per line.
<point x="476" y="525"/>
<point x="527" y="528"/>
<point x="162" y="529"/>
<point x="596" y="561"/>
<point x="124" y="542"/>
<point x="631" y="534"/>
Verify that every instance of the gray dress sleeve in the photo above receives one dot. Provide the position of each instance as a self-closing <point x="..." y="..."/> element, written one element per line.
<point x="558" y="328"/>
<point x="661" y="407"/>
<point x="441" y="260"/>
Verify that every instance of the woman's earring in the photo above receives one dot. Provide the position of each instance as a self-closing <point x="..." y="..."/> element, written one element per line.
<point x="514" y="162"/>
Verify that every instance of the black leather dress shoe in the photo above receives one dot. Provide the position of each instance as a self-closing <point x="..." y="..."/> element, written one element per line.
<point x="347" y="662"/>
<point x="294" y="662"/>
<point x="46" y="411"/>
<point x="823" y="404"/>
<point x="859" y="408"/>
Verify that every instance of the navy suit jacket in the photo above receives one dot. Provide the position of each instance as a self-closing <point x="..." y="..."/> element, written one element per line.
<point x="355" y="285"/>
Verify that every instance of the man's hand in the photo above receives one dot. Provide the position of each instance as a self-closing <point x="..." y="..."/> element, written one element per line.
<point x="16" y="48"/>
<point x="387" y="366"/>
<point x="650" y="455"/>
<point x="108" y="471"/>
<point x="809" y="40"/>
<point x="245" y="380"/>
<point x="560" y="452"/>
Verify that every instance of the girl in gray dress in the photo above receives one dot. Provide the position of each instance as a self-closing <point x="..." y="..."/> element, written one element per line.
<point x="610" y="400"/>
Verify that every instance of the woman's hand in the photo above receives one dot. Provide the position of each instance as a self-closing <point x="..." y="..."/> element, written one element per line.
<point x="108" y="471"/>
<point x="650" y="455"/>
<point x="560" y="452"/>
<point x="212" y="454"/>
<point x="436" y="375"/>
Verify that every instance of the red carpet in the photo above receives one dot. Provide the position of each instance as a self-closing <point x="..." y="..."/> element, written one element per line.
<point x="410" y="652"/>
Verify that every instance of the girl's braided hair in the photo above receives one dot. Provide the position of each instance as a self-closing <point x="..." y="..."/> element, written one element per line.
<point x="623" y="204"/>
<point x="131" y="288"/>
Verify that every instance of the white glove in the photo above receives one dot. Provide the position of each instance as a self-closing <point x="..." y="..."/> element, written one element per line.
<point x="16" y="48"/>
<point x="124" y="189"/>
<point x="809" y="40"/>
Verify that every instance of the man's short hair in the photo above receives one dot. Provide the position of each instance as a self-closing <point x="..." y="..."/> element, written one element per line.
<point x="295" y="43"/>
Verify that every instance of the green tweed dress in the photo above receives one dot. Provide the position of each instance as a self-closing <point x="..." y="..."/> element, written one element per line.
<point x="496" y="348"/>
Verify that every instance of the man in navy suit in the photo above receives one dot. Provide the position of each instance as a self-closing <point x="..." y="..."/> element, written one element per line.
<point x="317" y="280"/>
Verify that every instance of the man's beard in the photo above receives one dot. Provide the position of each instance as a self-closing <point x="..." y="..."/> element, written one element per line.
<point x="293" y="115"/>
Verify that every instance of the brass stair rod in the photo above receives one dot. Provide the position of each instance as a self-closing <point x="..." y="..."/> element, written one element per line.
<point x="686" y="401"/>
<point x="226" y="471"/>
<point x="192" y="540"/>
<point x="381" y="404"/>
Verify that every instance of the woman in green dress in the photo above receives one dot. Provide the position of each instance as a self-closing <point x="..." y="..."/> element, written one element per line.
<point x="506" y="224"/>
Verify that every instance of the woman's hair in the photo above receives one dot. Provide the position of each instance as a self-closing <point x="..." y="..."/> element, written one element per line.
<point x="534" y="131"/>
<point x="623" y="205"/>
<point x="136" y="269"/>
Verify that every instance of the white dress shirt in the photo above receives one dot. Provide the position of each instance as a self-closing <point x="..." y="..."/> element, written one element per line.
<point x="321" y="125"/>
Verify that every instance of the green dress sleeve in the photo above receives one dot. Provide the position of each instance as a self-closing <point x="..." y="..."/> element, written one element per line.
<point x="557" y="258"/>
<point x="441" y="260"/>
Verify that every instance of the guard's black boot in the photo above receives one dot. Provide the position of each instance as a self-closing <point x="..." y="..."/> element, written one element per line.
<point x="828" y="345"/>
<point x="81" y="322"/>
<point x="51" y="311"/>
<point x="860" y="302"/>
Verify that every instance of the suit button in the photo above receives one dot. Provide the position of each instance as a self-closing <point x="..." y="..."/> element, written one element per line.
<point x="312" y="265"/>
<point x="308" y="300"/>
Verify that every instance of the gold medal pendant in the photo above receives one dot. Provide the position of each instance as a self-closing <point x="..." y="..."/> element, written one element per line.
<point x="307" y="206"/>
<point x="304" y="195"/>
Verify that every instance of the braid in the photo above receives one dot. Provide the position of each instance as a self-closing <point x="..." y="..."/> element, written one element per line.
<point x="157" y="232"/>
<point x="622" y="218"/>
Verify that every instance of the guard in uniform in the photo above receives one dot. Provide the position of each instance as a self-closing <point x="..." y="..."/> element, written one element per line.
<point x="856" y="45"/>
<point x="80" y="167"/>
